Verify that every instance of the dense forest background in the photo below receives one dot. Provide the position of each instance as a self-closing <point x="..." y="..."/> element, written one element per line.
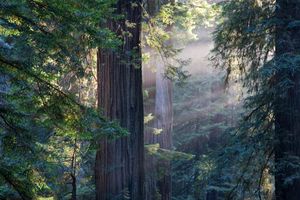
<point x="149" y="99"/>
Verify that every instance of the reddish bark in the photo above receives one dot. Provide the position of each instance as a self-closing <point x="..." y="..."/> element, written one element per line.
<point x="119" y="170"/>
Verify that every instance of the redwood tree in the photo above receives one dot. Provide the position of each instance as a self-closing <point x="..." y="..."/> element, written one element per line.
<point x="287" y="103"/>
<point x="260" y="39"/>
<point x="164" y="121"/>
<point x="119" y="169"/>
<point x="158" y="173"/>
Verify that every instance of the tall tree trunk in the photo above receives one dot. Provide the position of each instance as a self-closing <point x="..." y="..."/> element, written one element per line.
<point x="119" y="170"/>
<point x="287" y="108"/>
<point x="164" y="121"/>
<point x="151" y="192"/>
<point x="158" y="172"/>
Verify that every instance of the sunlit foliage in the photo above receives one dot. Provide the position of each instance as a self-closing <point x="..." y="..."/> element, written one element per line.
<point x="245" y="45"/>
<point x="169" y="30"/>
<point x="42" y="123"/>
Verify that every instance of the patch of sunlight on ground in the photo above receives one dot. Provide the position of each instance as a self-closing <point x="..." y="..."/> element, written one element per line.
<point x="45" y="198"/>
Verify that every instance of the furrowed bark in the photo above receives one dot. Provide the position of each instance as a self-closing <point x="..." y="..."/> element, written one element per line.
<point x="119" y="169"/>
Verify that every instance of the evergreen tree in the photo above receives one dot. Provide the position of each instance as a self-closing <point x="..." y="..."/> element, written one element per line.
<point x="287" y="101"/>
<point x="165" y="27"/>
<point x="158" y="172"/>
<point x="40" y="42"/>
<point x="258" y="39"/>
<point x="119" y="166"/>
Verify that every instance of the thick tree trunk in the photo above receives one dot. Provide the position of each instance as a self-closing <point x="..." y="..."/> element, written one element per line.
<point x="119" y="169"/>
<point x="287" y="108"/>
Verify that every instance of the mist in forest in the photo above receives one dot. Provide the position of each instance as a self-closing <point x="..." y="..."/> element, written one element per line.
<point x="202" y="110"/>
<point x="198" y="51"/>
<point x="115" y="100"/>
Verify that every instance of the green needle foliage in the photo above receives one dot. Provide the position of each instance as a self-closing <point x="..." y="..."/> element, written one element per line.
<point x="40" y="42"/>
<point x="171" y="27"/>
<point x="245" y="47"/>
<point x="203" y="114"/>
